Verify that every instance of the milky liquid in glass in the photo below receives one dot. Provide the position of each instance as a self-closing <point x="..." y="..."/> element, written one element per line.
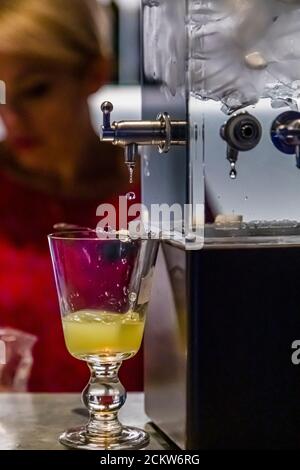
<point x="102" y="333"/>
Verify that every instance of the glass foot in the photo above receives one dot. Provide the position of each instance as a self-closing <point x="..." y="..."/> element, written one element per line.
<point x="129" y="438"/>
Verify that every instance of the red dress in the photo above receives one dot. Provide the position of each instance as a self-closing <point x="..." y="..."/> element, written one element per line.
<point x="28" y="299"/>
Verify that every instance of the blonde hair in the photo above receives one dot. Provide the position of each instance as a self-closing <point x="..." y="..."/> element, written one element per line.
<point x="71" y="32"/>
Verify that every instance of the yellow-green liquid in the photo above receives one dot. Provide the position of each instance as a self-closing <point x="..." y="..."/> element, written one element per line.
<point x="99" y="333"/>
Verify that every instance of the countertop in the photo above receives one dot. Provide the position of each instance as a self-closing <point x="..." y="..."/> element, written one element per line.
<point x="34" y="421"/>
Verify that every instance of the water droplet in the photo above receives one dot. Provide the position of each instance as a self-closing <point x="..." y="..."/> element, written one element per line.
<point x="131" y="174"/>
<point x="146" y="165"/>
<point x="246" y="198"/>
<point x="233" y="171"/>
<point x="233" y="174"/>
<point x="125" y="290"/>
<point x="118" y="285"/>
<point x="124" y="261"/>
<point x="130" y="196"/>
<point x="106" y="293"/>
<point x="113" y="302"/>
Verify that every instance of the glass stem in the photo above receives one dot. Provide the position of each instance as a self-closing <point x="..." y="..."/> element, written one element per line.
<point x="104" y="395"/>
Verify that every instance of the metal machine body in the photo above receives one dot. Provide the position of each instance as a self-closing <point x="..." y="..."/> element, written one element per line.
<point x="218" y="348"/>
<point x="223" y="317"/>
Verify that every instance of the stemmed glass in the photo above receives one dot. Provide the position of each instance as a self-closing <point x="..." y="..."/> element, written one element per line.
<point x="103" y="289"/>
<point x="16" y="359"/>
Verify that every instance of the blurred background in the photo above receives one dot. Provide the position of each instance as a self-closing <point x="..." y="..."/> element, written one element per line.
<point x="124" y="80"/>
<point x="59" y="59"/>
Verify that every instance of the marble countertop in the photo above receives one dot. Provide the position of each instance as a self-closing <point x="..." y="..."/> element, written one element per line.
<point x="34" y="421"/>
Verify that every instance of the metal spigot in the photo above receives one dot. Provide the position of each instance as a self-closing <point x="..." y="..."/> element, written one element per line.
<point x="242" y="132"/>
<point x="130" y="134"/>
<point x="285" y="134"/>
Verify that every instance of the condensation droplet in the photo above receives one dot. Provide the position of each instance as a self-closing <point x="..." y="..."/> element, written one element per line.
<point x="132" y="297"/>
<point x="124" y="260"/>
<point x="130" y="196"/>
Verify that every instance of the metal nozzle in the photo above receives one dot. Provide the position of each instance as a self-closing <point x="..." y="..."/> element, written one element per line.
<point x="130" y="134"/>
<point x="130" y="153"/>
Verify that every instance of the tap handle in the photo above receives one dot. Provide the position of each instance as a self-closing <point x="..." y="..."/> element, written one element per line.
<point x="285" y="134"/>
<point x="106" y="109"/>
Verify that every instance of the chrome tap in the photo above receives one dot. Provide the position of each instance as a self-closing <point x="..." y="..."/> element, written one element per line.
<point x="130" y="134"/>
<point x="285" y="134"/>
<point x="242" y="132"/>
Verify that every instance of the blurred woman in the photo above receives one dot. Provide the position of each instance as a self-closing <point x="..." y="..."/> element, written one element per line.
<point x="53" y="168"/>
